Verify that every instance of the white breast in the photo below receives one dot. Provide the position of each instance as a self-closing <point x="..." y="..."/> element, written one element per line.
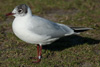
<point x="21" y="29"/>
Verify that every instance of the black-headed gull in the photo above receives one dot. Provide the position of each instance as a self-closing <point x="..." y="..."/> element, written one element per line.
<point x="36" y="30"/>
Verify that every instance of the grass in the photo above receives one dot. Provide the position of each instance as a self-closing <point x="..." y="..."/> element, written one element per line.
<point x="73" y="51"/>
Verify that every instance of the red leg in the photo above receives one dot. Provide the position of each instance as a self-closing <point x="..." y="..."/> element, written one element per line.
<point x="39" y="52"/>
<point x="38" y="49"/>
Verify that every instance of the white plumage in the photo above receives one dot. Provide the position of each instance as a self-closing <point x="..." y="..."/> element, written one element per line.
<point x="36" y="30"/>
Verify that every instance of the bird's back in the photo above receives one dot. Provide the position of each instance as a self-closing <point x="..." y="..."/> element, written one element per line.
<point x="46" y="27"/>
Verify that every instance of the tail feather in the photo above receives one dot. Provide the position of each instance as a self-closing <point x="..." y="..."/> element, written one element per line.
<point x="80" y="29"/>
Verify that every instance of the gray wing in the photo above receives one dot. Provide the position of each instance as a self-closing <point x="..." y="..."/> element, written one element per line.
<point x="42" y="26"/>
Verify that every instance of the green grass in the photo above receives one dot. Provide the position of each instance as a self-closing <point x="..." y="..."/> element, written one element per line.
<point x="73" y="51"/>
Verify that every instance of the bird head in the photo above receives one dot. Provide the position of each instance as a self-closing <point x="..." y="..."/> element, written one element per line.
<point x="20" y="10"/>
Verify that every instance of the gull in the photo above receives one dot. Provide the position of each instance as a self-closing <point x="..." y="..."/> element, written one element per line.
<point x="37" y="30"/>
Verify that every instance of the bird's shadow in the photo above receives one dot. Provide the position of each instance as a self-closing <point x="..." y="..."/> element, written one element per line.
<point x="70" y="41"/>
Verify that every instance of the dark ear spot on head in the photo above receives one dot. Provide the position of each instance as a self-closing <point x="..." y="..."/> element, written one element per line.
<point x="22" y="8"/>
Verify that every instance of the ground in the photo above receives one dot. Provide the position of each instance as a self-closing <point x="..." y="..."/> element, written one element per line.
<point x="81" y="50"/>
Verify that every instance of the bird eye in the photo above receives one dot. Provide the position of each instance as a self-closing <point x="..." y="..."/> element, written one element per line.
<point x="20" y="10"/>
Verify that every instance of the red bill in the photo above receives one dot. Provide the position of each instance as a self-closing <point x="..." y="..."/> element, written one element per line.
<point x="8" y="14"/>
